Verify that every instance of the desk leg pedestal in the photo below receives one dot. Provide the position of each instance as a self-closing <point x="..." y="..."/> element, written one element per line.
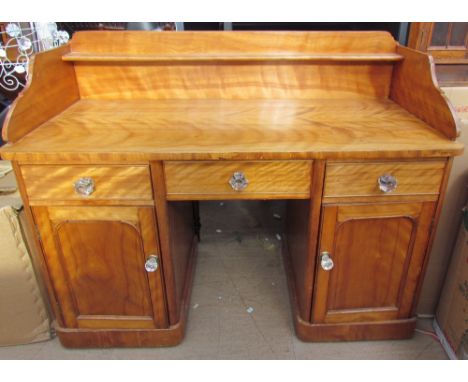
<point x="105" y="338"/>
<point x="359" y="331"/>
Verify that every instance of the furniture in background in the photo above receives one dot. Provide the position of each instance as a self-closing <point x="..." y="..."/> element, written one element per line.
<point x="447" y="43"/>
<point x="349" y="128"/>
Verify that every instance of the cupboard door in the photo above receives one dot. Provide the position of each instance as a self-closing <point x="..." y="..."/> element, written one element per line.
<point x="97" y="257"/>
<point x="375" y="257"/>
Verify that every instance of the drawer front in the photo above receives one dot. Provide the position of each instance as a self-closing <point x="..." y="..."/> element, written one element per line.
<point x="362" y="179"/>
<point x="261" y="180"/>
<point x="59" y="183"/>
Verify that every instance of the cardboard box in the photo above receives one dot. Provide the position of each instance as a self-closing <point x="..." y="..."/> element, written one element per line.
<point x="24" y="317"/>
<point x="452" y="312"/>
<point x="449" y="221"/>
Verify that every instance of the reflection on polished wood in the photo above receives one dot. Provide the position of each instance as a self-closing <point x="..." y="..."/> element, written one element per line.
<point x="360" y="179"/>
<point x="158" y="120"/>
<point x="103" y="283"/>
<point x="105" y="57"/>
<point x="375" y="250"/>
<point x="210" y="180"/>
<point x="54" y="183"/>
<point x="48" y="100"/>
<point x="236" y="43"/>
<point x="412" y="88"/>
<point x="106" y="131"/>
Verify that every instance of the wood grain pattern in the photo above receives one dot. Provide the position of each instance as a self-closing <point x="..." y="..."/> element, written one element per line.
<point x="102" y="283"/>
<point x="51" y="88"/>
<point x="181" y="241"/>
<point x="233" y="81"/>
<point x="360" y="179"/>
<point x="414" y="87"/>
<point x="416" y="265"/>
<point x="177" y="238"/>
<point x="379" y="246"/>
<point x="105" y="276"/>
<point x="230" y="57"/>
<point x="37" y="250"/>
<point x="302" y="231"/>
<point x="356" y="331"/>
<point x="352" y="331"/>
<point x="103" y="338"/>
<point x="384" y="242"/>
<point x="381" y="198"/>
<point x="181" y="65"/>
<point x="210" y="180"/>
<point x="419" y="36"/>
<point x="90" y="213"/>
<point x="136" y="43"/>
<point x="419" y="278"/>
<point x="148" y="230"/>
<point x="56" y="183"/>
<point x="65" y="311"/>
<point x="203" y="104"/>
<point x="297" y="241"/>
<point x="110" y="131"/>
<point x="162" y="216"/>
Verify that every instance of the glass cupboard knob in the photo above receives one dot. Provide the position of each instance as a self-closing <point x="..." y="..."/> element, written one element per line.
<point x="326" y="261"/>
<point x="152" y="263"/>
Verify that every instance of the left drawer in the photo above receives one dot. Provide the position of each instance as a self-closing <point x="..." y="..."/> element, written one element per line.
<point x="52" y="183"/>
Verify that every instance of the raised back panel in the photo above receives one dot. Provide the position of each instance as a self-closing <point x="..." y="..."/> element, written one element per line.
<point x="232" y="65"/>
<point x="230" y="81"/>
<point x="147" y="42"/>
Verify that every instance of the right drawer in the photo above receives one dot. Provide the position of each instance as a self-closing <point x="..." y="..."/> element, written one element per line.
<point x="348" y="179"/>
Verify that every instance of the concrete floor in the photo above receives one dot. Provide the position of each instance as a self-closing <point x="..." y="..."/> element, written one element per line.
<point x="239" y="267"/>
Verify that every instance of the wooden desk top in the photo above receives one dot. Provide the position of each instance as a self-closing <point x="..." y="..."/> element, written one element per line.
<point x="133" y="97"/>
<point x="141" y="130"/>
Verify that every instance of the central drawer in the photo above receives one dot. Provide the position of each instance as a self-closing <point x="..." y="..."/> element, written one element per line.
<point x="52" y="184"/>
<point x="237" y="180"/>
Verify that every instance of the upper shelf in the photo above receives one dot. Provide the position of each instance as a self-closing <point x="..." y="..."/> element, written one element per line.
<point x="242" y="47"/>
<point x="223" y="57"/>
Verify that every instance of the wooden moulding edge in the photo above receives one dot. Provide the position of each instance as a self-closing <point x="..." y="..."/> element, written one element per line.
<point x="357" y="331"/>
<point x="105" y="338"/>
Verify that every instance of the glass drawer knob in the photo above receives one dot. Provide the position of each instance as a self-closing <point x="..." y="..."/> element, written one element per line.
<point x="152" y="263"/>
<point x="84" y="186"/>
<point x="387" y="183"/>
<point x="238" y="181"/>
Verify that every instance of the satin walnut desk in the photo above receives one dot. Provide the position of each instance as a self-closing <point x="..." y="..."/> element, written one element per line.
<point x="118" y="133"/>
